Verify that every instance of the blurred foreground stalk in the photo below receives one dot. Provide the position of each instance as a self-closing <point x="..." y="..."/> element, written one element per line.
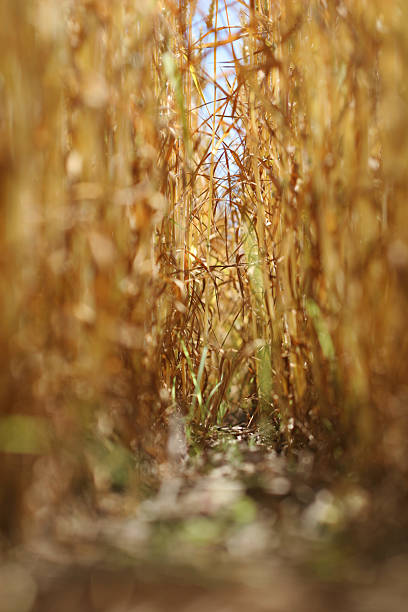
<point x="81" y="193"/>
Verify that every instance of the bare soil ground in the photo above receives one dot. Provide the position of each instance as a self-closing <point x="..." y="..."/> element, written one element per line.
<point x="235" y="527"/>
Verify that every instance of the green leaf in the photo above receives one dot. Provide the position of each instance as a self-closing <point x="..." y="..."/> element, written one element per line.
<point x="322" y="331"/>
<point x="24" y="434"/>
<point x="265" y="383"/>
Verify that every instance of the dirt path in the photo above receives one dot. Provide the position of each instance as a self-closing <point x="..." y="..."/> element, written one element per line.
<point x="235" y="528"/>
